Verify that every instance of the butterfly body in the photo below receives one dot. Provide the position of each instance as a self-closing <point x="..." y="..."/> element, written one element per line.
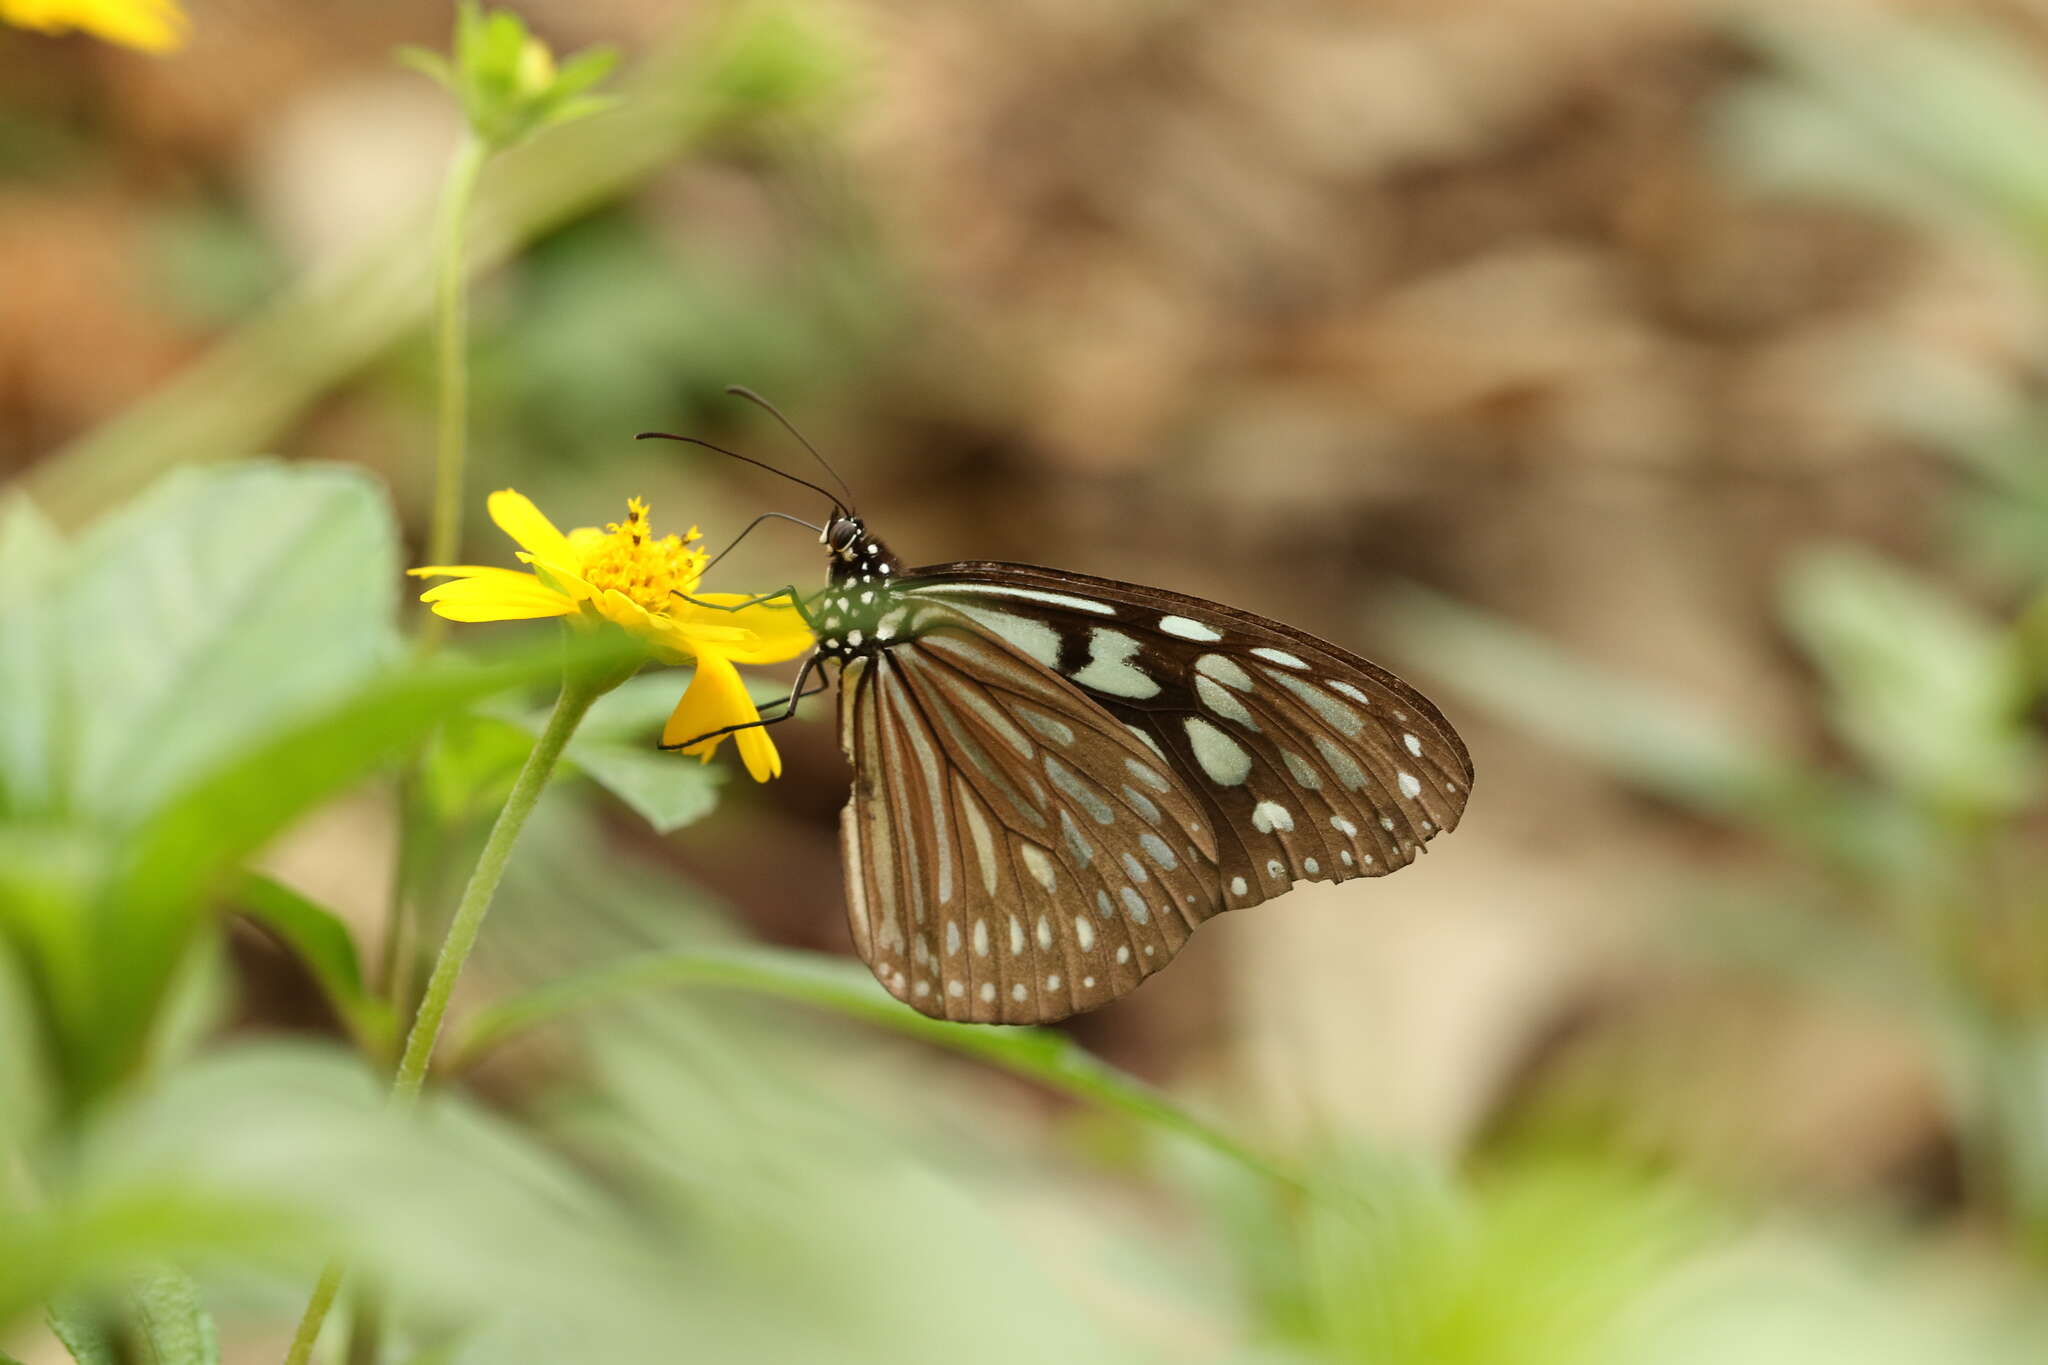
<point x="1058" y="777"/>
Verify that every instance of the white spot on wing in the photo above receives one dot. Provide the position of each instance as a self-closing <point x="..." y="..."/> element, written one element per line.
<point x="1188" y="629"/>
<point x="1044" y="932"/>
<point x="1268" y="816"/>
<point x="1084" y="933"/>
<point x="1109" y="667"/>
<point x="1148" y="776"/>
<point x="1221" y="757"/>
<point x="1077" y="790"/>
<point x="1343" y="764"/>
<point x="1225" y="670"/>
<point x="1037" y="864"/>
<point x="1338" y="684"/>
<point x="1299" y="769"/>
<point x="1050" y="599"/>
<point x="1135" y="905"/>
<point x="1050" y="727"/>
<point x="1410" y="788"/>
<point x="1279" y="656"/>
<point x="1156" y="849"/>
<point x="1035" y="639"/>
<point x="1333" y="712"/>
<point x="981" y="938"/>
<point x="1414" y="745"/>
<point x="1224" y="704"/>
<point x="1150" y="742"/>
<point x="1238" y="887"/>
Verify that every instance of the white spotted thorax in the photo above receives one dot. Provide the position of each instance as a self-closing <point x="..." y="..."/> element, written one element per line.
<point x="859" y="610"/>
<point x="1058" y="777"/>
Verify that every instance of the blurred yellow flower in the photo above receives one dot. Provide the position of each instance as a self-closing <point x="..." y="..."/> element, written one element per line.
<point x="627" y="577"/>
<point x="152" y="25"/>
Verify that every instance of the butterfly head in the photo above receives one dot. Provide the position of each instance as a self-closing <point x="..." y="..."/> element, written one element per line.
<point x="855" y="556"/>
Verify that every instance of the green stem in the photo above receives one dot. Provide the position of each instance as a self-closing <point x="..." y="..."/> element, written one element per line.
<point x="569" y="710"/>
<point x="579" y="690"/>
<point x="451" y="354"/>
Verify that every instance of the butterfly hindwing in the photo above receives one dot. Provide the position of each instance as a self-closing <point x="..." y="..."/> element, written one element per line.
<point x="1014" y="853"/>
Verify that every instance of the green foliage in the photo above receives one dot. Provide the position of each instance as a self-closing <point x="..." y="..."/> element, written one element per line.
<point x="194" y="673"/>
<point x="616" y="747"/>
<point x="1931" y="697"/>
<point x="506" y="79"/>
<point x="320" y="940"/>
<point x="846" y="988"/>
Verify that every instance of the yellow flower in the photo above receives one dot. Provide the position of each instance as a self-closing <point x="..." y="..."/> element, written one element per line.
<point x="625" y="576"/>
<point x="152" y="25"/>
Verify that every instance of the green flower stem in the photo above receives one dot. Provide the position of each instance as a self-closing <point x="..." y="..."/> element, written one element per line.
<point x="577" y="695"/>
<point x="580" y="688"/>
<point x="451" y="352"/>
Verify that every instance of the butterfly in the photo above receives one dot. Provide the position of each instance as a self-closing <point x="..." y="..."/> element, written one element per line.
<point x="1057" y="777"/>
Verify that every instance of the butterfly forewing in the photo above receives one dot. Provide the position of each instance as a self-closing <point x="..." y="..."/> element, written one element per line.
<point x="1314" y="764"/>
<point x="1013" y="853"/>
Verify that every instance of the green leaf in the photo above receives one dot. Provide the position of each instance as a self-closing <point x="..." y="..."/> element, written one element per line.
<point x="470" y="765"/>
<point x="174" y="1326"/>
<point x="25" y="1100"/>
<point x="585" y="70"/>
<point x="217" y="605"/>
<point x="32" y="682"/>
<point x="1929" y="695"/>
<point x="186" y="848"/>
<point x="428" y="63"/>
<point x="616" y="747"/>
<point x="320" y="940"/>
<point x="1042" y="1055"/>
<point x="31" y="549"/>
<point x="1957" y="100"/>
<point x="83" y="1330"/>
<point x="579" y="108"/>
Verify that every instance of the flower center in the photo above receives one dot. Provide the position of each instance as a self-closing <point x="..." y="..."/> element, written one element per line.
<point x="648" y="570"/>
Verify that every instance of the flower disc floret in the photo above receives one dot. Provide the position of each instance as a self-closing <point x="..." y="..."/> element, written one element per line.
<point x="648" y="572"/>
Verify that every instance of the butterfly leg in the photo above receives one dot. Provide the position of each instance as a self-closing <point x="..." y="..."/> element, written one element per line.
<point x="796" y="694"/>
<point x="789" y="593"/>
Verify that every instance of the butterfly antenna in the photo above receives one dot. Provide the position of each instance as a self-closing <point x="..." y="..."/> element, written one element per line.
<point x="742" y="391"/>
<point x="827" y="493"/>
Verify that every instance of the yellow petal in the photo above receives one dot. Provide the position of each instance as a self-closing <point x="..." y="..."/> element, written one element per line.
<point x="518" y="518"/>
<point x="759" y="753"/>
<point x="562" y="579"/>
<point x="622" y="610"/>
<point x="467" y="571"/>
<point x="717" y="698"/>
<point x="514" y="597"/>
<point x="152" y="25"/>
<point x="773" y="631"/>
